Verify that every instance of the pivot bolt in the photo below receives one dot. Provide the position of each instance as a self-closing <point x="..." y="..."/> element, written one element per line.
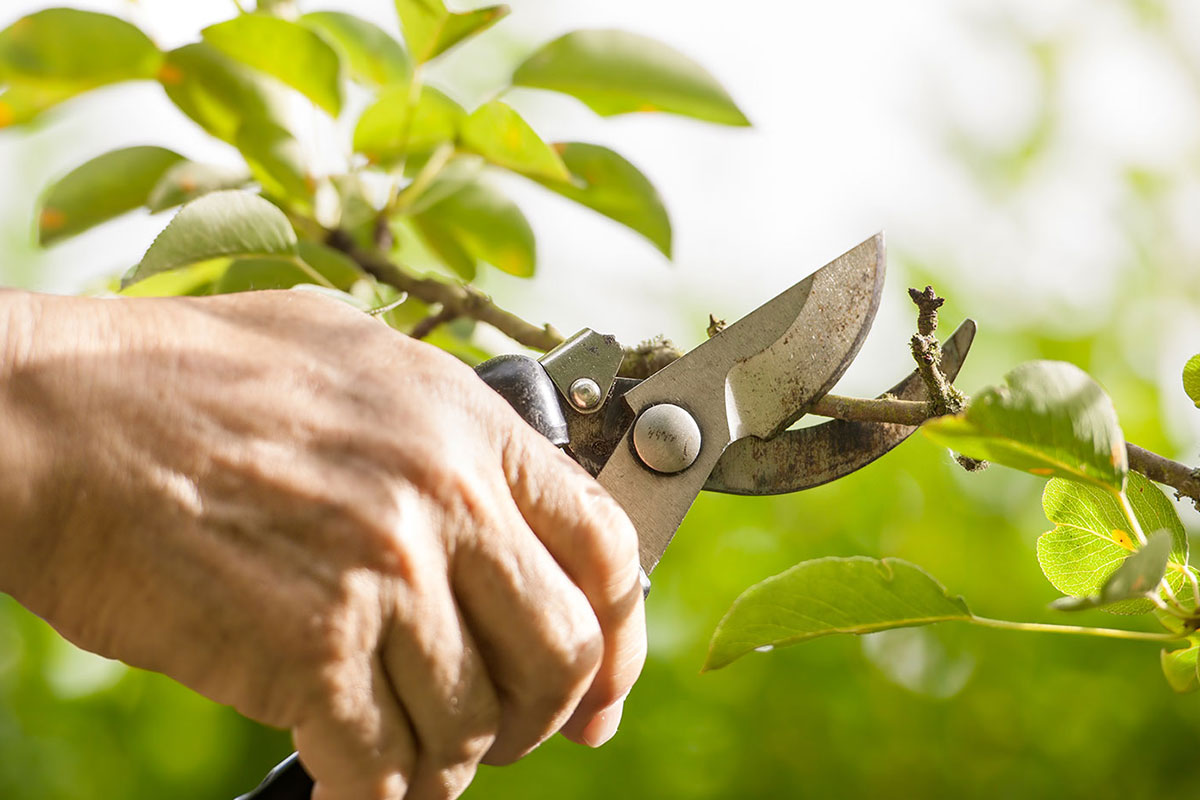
<point x="666" y="438"/>
<point x="585" y="394"/>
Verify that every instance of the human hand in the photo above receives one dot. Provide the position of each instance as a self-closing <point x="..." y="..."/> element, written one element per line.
<point x="287" y="506"/>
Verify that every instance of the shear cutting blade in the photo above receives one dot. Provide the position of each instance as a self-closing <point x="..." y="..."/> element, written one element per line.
<point x="755" y="378"/>
<point x="808" y="457"/>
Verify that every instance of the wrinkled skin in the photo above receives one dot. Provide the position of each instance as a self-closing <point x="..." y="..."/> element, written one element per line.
<point x="294" y="510"/>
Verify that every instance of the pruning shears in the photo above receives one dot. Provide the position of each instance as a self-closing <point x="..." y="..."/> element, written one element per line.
<point x="716" y="419"/>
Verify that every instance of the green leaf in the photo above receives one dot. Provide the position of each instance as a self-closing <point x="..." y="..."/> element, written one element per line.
<point x="499" y="134"/>
<point x="222" y="224"/>
<point x="276" y="160"/>
<point x="66" y="44"/>
<point x="392" y="128"/>
<point x="188" y="180"/>
<point x="218" y="93"/>
<point x="52" y="55"/>
<point x="284" y="50"/>
<point x="454" y="337"/>
<point x="1191" y="379"/>
<point x="1050" y="418"/>
<point x="232" y="103"/>
<point x="485" y="225"/>
<point x="1092" y="536"/>
<point x="257" y="274"/>
<point x="1137" y="577"/>
<point x="831" y="595"/>
<point x="105" y="187"/>
<point x="1141" y="572"/>
<point x="445" y="247"/>
<point x="333" y="265"/>
<point x="195" y="279"/>
<point x="605" y="182"/>
<point x="370" y="55"/>
<point x="23" y="102"/>
<point x="615" y="72"/>
<point x="458" y="172"/>
<point x="429" y="253"/>
<point x="431" y="29"/>
<point x="357" y="215"/>
<point x="1180" y="668"/>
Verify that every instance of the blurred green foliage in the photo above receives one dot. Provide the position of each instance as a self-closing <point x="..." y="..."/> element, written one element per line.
<point x="997" y="714"/>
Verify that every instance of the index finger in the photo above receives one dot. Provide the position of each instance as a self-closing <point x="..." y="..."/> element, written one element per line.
<point x="595" y="544"/>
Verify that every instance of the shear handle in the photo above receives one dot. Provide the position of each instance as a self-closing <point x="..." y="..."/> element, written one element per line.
<point x="288" y="781"/>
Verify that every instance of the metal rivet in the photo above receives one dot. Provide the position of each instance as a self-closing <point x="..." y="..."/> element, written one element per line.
<point x="666" y="438"/>
<point x="585" y="394"/>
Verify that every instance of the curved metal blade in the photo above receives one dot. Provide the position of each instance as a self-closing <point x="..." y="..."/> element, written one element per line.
<point x="754" y="378"/>
<point x="808" y="457"/>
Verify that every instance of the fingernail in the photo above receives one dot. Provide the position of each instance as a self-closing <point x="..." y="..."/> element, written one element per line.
<point x="604" y="725"/>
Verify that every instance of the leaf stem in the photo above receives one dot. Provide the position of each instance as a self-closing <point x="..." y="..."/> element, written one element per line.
<point x="432" y="168"/>
<point x="1172" y="604"/>
<point x="1164" y="586"/>
<point x="1195" y="586"/>
<point x="1075" y="630"/>
<point x="1174" y="608"/>
<point x="312" y="273"/>
<point x="410" y="103"/>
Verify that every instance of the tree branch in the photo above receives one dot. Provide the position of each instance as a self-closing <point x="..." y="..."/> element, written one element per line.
<point x="927" y="352"/>
<point x="648" y="358"/>
<point x="861" y="409"/>
<point x="455" y="299"/>
<point x="431" y="323"/>
<point x="1184" y="479"/>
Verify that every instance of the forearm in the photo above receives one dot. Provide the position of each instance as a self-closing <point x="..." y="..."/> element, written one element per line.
<point x="22" y="461"/>
<point x="36" y="331"/>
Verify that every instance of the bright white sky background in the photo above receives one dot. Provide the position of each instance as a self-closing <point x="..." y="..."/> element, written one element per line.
<point x="854" y="104"/>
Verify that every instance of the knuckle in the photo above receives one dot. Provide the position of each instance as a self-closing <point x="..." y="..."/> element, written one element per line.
<point x="551" y="684"/>
<point x="332" y="646"/>
<point x="447" y="783"/>
<point x="467" y="736"/>
<point x="455" y="485"/>
<point x="460" y="752"/>
<point x="573" y="662"/>
<point x="611" y="539"/>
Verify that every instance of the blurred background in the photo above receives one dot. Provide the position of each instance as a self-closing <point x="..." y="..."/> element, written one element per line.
<point x="1039" y="163"/>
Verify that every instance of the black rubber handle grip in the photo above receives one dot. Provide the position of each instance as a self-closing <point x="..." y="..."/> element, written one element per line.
<point x="288" y="781"/>
<point x="525" y="385"/>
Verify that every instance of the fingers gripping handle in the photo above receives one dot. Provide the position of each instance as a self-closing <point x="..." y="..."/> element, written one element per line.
<point x="524" y="383"/>
<point x="528" y="389"/>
